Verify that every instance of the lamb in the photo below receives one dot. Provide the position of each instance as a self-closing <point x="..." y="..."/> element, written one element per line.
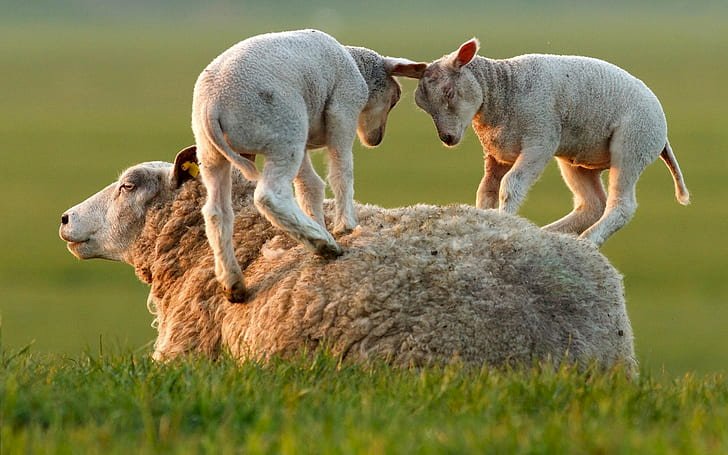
<point x="417" y="285"/>
<point x="278" y="95"/>
<point x="589" y="114"/>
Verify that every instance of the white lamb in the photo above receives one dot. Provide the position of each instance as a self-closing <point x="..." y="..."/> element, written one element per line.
<point x="278" y="95"/>
<point x="589" y="114"/>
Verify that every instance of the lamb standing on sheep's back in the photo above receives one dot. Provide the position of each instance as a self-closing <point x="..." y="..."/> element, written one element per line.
<point x="416" y="285"/>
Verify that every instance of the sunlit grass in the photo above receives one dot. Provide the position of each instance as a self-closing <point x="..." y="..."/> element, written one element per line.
<point x="124" y="403"/>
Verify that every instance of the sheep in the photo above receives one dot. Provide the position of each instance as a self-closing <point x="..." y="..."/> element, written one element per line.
<point x="278" y="95"/>
<point x="589" y="114"/>
<point x="417" y="285"/>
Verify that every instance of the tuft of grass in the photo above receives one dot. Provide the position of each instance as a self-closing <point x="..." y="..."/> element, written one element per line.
<point x="125" y="403"/>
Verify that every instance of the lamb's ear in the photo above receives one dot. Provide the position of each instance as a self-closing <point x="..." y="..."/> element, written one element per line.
<point x="465" y="53"/>
<point x="404" y="67"/>
<point x="185" y="166"/>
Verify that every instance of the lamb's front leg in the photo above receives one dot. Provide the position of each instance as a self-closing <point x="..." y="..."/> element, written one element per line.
<point x="487" y="196"/>
<point x="342" y="131"/>
<point x="274" y="199"/>
<point x="525" y="171"/>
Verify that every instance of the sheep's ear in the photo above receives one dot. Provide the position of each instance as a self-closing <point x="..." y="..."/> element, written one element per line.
<point x="465" y="53"/>
<point x="404" y="67"/>
<point x="144" y="274"/>
<point x="185" y="166"/>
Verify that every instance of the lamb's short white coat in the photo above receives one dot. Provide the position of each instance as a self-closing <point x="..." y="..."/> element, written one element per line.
<point x="278" y="95"/>
<point x="591" y="115"/>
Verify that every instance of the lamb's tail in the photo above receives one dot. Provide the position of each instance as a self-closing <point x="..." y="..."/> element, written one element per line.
<point x="681" y="191"/>
<point x="214" y="134"/>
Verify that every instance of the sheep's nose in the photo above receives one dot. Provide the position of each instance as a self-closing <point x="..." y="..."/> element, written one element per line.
<point x="64" y="218"/>
<point x="448" y="139"/>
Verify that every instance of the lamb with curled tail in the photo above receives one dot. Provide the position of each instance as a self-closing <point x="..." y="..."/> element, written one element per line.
<point x="589" y="114"/>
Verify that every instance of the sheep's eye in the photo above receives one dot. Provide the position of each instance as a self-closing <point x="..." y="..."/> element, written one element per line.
<point x="126" y="187"/>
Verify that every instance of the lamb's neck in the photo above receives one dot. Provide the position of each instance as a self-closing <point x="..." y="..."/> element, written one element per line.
<point x="367" y="61"/>
<point x="496" y="78"/>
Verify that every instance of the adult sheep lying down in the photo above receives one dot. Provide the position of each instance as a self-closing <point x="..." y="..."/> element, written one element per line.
<point x="416" y="285"/>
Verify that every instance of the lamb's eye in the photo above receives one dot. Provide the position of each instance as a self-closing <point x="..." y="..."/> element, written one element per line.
<point x="126" y="187"/>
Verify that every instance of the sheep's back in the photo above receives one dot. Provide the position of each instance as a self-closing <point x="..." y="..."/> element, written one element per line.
<point x="429" y="284"/>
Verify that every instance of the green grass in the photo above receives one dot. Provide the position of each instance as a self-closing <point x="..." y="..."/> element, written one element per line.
<point x="81" y="101"/>
<point x="124" y="403"/>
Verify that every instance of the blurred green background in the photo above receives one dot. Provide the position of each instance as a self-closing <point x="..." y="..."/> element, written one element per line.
<point x="89" y="88"/>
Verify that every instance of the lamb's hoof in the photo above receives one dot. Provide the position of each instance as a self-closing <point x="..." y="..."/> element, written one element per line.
<point x="343" y="229"/>
<point x="237" y="293"/>
<point x="328" y="250"/>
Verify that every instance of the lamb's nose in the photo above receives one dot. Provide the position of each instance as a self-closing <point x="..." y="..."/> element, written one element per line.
<point x="64" y="218"/>
<point x="447" y="138"/>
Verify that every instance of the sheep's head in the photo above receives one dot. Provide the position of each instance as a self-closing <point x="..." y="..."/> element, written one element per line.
<point x="107" y="224"/>
<point x="450" y="93"/>
<point x="384" y="93"/>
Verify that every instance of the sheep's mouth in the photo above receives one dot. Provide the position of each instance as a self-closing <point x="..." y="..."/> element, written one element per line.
<point x="78" y="248"/>
<point x="74" y="243"/>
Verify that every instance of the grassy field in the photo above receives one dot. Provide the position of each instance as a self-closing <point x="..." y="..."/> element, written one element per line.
<point x="84" y="99"/>
<point x="126" y="404"/>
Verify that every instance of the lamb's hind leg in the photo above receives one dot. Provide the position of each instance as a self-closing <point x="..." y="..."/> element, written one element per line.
<point x="274" y="199"/>
<point x="589" y="199"/>
<point x="621" y="205"/>
<point x="219" y="220"/>
<point x="626" y="166"/>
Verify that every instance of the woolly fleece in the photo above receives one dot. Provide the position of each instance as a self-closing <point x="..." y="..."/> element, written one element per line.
<point x="416" y="285"/>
